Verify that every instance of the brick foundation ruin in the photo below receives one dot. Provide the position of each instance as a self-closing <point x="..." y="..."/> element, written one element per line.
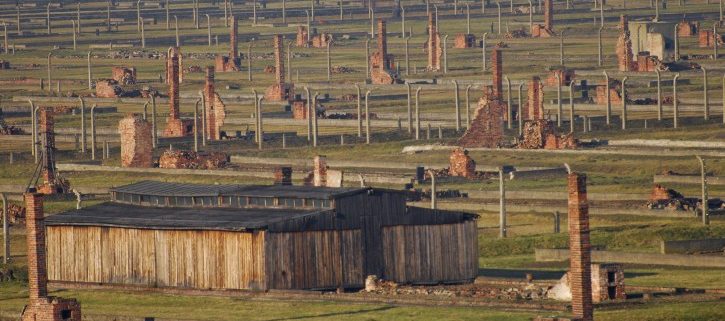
<point x="541" y="133"/>
<point x="303" y="38"/>
<point x="535" y="101"/>
<point x="193" y="160"/>
<point x="108" y="88"/>
<point x="175" y="127"/>
<point x="486" y="128"/>
<point x="566" y="76"/>
<point x="433" y="45"/>
<point x="42" y="307"/>
<point x="299" y="109"/>
<point x="282" y="175"/>
<point x="319" y="170"/>
<point x="660" y="193"/>
<point x="687" y="29"/>
<point x="280" y="91"/>
<point x="232" y="62"/>
<point x="136" y="142"/>
<point x="461" y="164"/>
<point x="706" y="39"/>
<point x="464" y="40"/>
<point x="321" y="40"/>
<point x="124" y="75"/>
<point x="607" y="282"/>
<point x="648" y="63"/>
<point x="382" y="64"/>
<point x="615" y="93"/>
<point x="214" y="108"/>
<point x="547" y="29"/>
<point x="579" y="248"/>
<point x="52" y="182"/>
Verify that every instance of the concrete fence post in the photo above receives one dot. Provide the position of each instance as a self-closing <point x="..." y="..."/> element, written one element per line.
<point x="93" y="131"/>
<point x="468" y="19"/>
<point x="176" y="31"/>
<point x="609" y="101"/>
<point x="599" y="51"/>
<point x="402" y="20"/>
<point x="723" y="98"/>
<point x="90" y="75"/>
<point x="499" y="17"/>
<point x="417" y="113"/>
<point x="83" y="125"/>
<point x="315" y="127"/>
<point x="249" y="60"/>
<point x="208" y="29"/>
<point x="531" y="16"/>
<point x="154" y="135"/>
<point x="146" y="109"/>
<point x="196" y="125"/>
<point x="445" y="53"/>
<point x="289" y="60"/>
<point x="714" y="43"/>
<point x="6" y="230"/>
<point x="561" y="48"/>
<point x="677" y="43"/>
<point x="329" y="61"/>
<point x="410" y="112"/>
<point x="559" y="111"/>
<point x="624" y="103"/>
<point x="675" y="105"/>
<point x="557" y="222"/>
<point x="483" y="51"/>
<point x="167" y="7"/>
<point x="457" y="106"/>
<point x="407" y="57"/>
<point x="33" y="127"/>
<point x="572" y="118"/>
<point x="367" y="58"/>
<point x="705" y="103"/>
<point x="359" y="110"/>
<point x="703" y="181"/>
<point x="509" y="102"/>
<point x="468" y="106"/>
<point x="659" y="95"/>
<point x="502" y="204"/>
<point x="47" y="12"/>
<point x="204" y="130"/>
<point x="367" y="118"/>
<point x="519" y="110"/>
<point x="50" y="75"/>
<point x="433" y="191"/>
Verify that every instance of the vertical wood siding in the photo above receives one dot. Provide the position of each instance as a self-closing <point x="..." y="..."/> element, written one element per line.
<point x="164" y="258"/>
<point x="430" y="253"/>
<point x="314" y="259"/>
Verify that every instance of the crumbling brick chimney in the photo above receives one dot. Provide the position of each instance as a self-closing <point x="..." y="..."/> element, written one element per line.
<point x="233" y="32"/>
<point x="549" y="14"/>
<point x="283" y="175"/>
<point x="174" y="126"/>
<point x="302" y="39"/>
<point x="211" y="128"/>
<point x="41" y="307"/>
<point x="381" y="63"/>
<point x="535" y="99"/>
<point x="319" y="170"/>
<point x="47" y="139"/>
<point x="497" y="70"/>
<point x="434" y="44"/>
<point x="624" y="47"/>
<point x="174" y="52"/>
<point x="579" y="248"/>
<point x="136" y="142"/>
<point x="280" y="91"/>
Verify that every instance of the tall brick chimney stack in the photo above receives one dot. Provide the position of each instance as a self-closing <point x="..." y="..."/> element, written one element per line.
<point x="209" y="104"/>
<point x="47" y="136"/>
<point x="35" y="227"/>
<point x="383" y="44"/>
<point x="497" y="77"/>
<point x="549" y="14"/>
<point x="233" y="50"/>
<point x="136" y="144"/>
<point x="434" y="49"/>
<point x="535" y="99"/>
<point x="623" y="23"/>
<point x="579" y="248"/>
<point x="279" y="59"/>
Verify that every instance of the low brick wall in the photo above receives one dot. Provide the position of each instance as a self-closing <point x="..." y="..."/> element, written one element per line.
<point x="547" y="255"/>
<point x="691" y="246"/>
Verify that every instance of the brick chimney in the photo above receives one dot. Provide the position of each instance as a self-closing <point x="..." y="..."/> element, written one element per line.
<point x="35" y="229"/>
<point x="136" y="144"/>
<point x="233" y="50"/>
<point x="579" y="248"/>
<point x="47" y="138"/>
<point x="497" y="71"/>
<point x="283" y="175"/>
<point x="549" y="14"/>
<point x="383" y="44"/>
<point x="174" y="86"/>
<point x="209" y="104"/>
<point x="320" y="170"/>
<point x="278" y="59"/>
<point x="535" y="99"/>
<point x="434" y="50"/>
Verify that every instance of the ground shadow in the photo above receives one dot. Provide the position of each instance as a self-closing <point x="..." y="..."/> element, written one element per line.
<point x="520" y="274"/>
<point x="335" y="314"/>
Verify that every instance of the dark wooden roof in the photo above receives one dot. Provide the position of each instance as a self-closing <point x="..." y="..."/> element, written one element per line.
<point x="186" y="189"/>
<point x="229" y="219"/>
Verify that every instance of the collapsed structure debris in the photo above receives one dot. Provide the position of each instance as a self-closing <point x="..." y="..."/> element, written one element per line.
<point x="687" y="28"/>
<point x="6" y="129"/>
<point x="16" y="214"/>
<point x="542" y="133"/>
<point x="123" y="75"/>
<point x="547" y="29"/>
<point x="607" y="282"/>
<point x="136" y="142"/>
<point x="624" y="46"/>
<point x="464" y="40"/>
<point x="193" y="160"/>
<point x="461" y="164"/>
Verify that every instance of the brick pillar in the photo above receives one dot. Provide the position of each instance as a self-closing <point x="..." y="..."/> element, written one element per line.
<point x="383" y="45"/>
<point x="136" y="144"/>
<point x="535" y="99"/>
<point x="279" y="59"/>
<point x="497" y="77"/>
<point x="47" y="136"/>
<point x="579" y="248"/>
<point x="549" y="14"/>
<point x="212" y="131"/>
<point x="283" y="176"/>
<point x="233" y="51"/>
<point x="433" y="44"/>
<point x="174" y="86"/>
<point x="320" y="171"/>
<point x="623" y="23"/>
<point x="35" y="236"/>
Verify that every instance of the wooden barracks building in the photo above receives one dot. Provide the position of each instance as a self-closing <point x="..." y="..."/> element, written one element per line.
<point x="258" y="237"/>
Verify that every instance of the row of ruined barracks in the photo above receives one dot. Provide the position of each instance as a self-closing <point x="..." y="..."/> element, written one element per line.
<point x="158" y="234"/>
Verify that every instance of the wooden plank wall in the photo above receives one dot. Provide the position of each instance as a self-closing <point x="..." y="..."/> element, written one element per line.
<point x="164" y="258"/>
<point x="430" y="253"/>
<point x="314" y="260"/>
